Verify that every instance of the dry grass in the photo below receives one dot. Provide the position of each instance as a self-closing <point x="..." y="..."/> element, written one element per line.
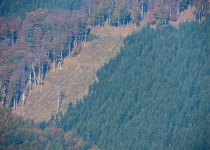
<point x="186" y="15"/>
<point x="74" y="79"/>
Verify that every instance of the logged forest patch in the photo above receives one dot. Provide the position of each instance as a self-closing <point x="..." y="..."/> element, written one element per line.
<point x="70" y="83"/>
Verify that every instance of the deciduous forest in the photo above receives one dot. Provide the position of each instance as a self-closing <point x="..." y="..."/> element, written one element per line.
<point x="153" y="95"/>
<point x="34" y="35"/>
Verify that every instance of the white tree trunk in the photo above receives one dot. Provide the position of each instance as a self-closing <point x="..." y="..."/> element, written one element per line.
<point x="190" y="5"/>
<point x="109" y="20"/>
<point x="34" y="74"/>
<point x="142" y="11"/>
<point x="86" y="34"/>
<point x="42" y="74"/>
<point x="177" y="13"/>
<point x="4" y="95"/>
<point x="14" y="104"/>
<point x="61" y="55"/>
<point x="118" y="22"/>
<point x="30" y="86"/>
<point x="39" y="77"/>
<point x="75" y="41"/>
<point x="12" y="39"/>
<point x="69" y="49"/>
<point x="54" y="64"/>
<point x="46" y="71"/>
<point x="89" y="7"/>
<point x="54" y="67"/>
<point x="23" y="98"/>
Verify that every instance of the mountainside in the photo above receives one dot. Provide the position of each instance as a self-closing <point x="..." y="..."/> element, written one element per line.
<point x="109" y="74"/>
<point x="153" y="95"/>
<point x="70" y="83"/>
<point x="34" y="35"/>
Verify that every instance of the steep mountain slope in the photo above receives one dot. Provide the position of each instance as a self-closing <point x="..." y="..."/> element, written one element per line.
<point x="77" y="73"/>
<point x="72" y="80"/>
<point x="153" y="95"/>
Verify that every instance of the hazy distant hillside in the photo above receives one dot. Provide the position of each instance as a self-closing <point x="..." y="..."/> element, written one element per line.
<point x="153" y="95"/>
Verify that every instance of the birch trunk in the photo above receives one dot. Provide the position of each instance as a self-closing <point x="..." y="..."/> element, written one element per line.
<point x="14" y="105"/>
<point x="170" y="12"/>
<point x="86" y="34"/>
<point x="42" y="74"/>
<point x="54" y="64"/>
<point x="109" y="20"/>
<point x="142" y="11"/>
<point x="61" y="55"/>
<point x="177" y="13"/>
<point x="34" y="74"/>
<point x="118" y="22"/>
<point x="75" y="41"/>
<point x="39" y="77"/>
<point x="4" y="95"/>
<point x="46" y="71"/>
<point x="54" y="67"/>
<point x="30" y="82"/>
<point x="89" y="7"/>
<point x="12" y="39"/>
<point x="23" y="98"/>
<point x="190" y="5"/>
<point x="69" y="49"/>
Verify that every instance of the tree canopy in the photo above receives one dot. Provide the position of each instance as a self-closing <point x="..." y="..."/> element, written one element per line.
<point x="153" y="95"/>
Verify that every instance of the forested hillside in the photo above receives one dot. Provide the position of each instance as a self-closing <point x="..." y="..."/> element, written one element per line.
<point x="21" y="7"/>
<point x="36" y="36"/>
<point x="153" y="95"/>
<point x="18" y="134"/>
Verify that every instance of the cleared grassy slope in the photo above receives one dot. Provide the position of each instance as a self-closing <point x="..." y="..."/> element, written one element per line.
<point x="74" y="79"/>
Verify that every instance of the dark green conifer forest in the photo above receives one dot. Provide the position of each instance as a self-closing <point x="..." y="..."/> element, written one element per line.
<point x="22" y="7"/>
<point x="153" y="95"/>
